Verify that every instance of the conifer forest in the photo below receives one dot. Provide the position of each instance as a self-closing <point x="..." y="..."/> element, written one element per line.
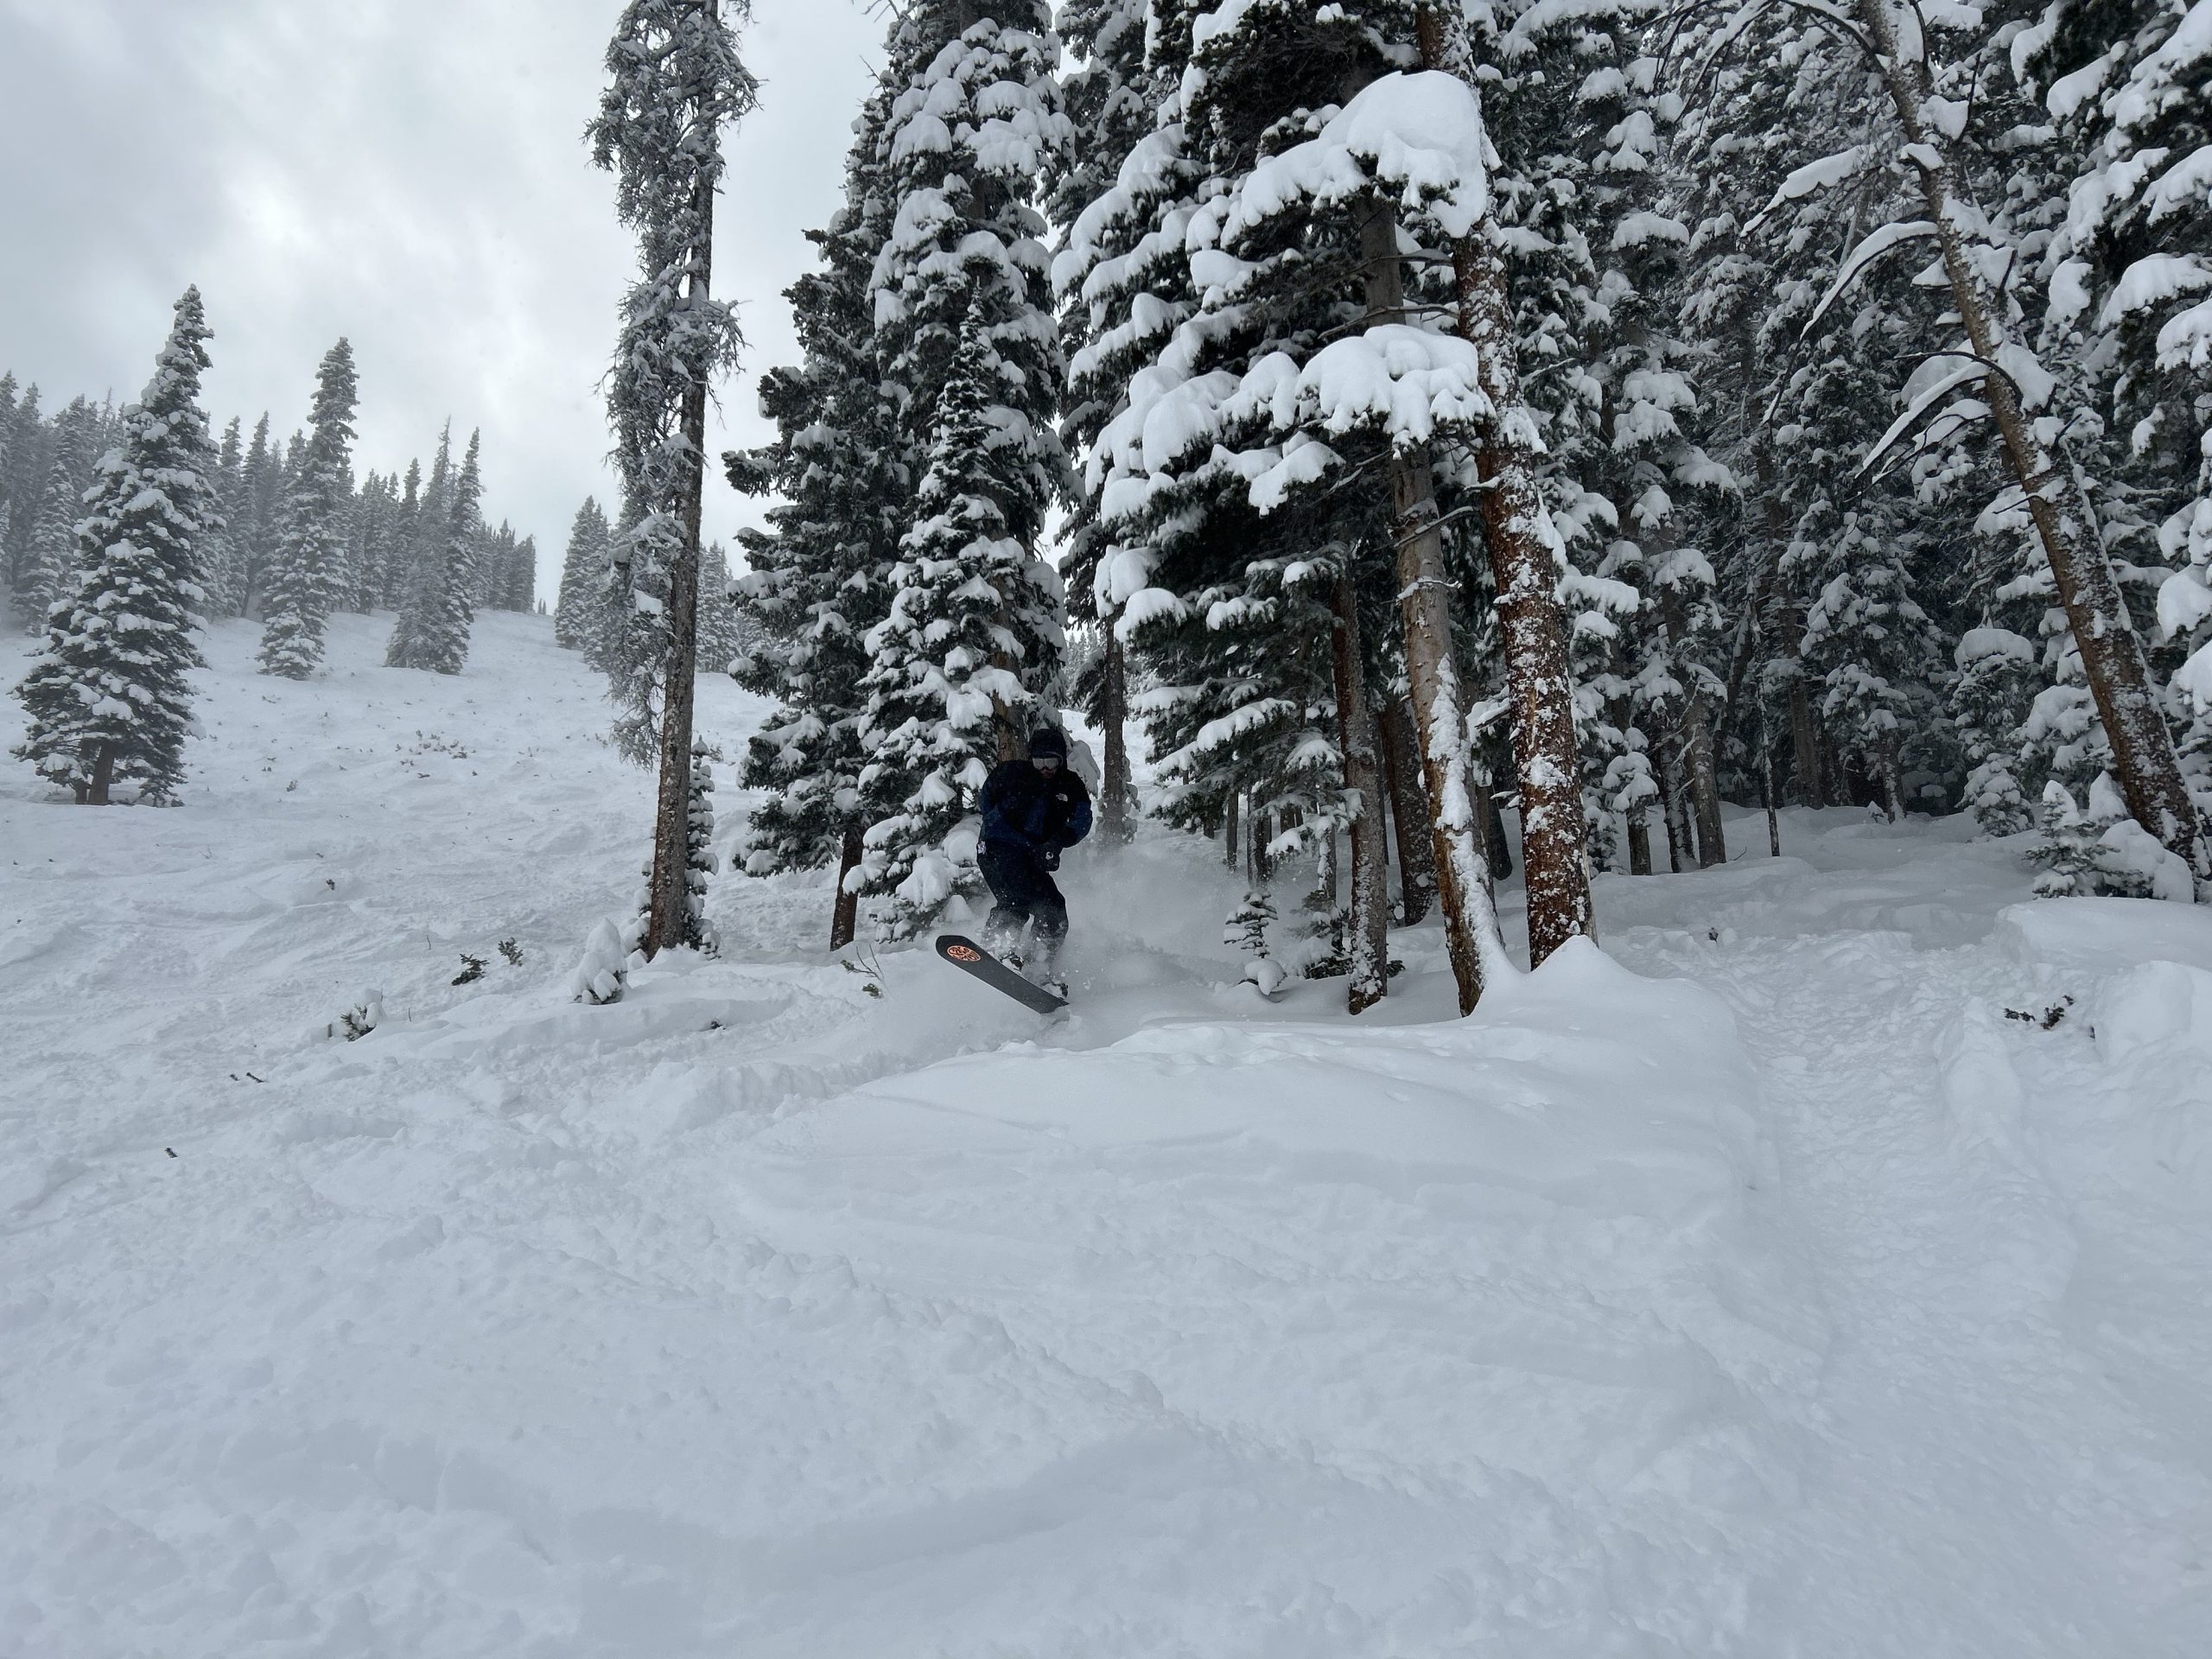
<point x="1384" y="828"/>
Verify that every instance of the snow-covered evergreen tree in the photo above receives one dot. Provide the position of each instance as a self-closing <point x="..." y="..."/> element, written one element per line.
<point x="253" y="536"/>
<point x="432" y="629"/>
<point x="584" y="569"/>
<point x="225" y="558"/>
<point x="969" y="652"/>
<point x="108" y="698"/>
<point x="1989" y="701"/>
<point x="701" y="863"/>
<point x="49" y="570"/>
<point x="308" y="570"/>
<point x="818" y="576"/>
<point x="22" y="487"/>
<point x="400" y="564"/>
<point x="971" y="640"/>
<point x="676" y="80"/>
<point x="425" y="599"/>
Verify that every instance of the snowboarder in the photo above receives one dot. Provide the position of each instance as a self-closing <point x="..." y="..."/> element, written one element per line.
<point x="1034" y="809"/>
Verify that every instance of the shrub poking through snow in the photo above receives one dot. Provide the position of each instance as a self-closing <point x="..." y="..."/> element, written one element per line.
<point x="603" y="974"/>
<point x="2103" y="850"/>
<point x="699" y="932"/>
<point x="1247" y="930"/>
<point x="359" y="1020"/>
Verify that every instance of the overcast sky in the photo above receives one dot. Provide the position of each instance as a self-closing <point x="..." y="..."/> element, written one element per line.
<point x="409" y="174"/>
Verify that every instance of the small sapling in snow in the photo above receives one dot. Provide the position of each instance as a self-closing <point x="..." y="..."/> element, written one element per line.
<point x="511" y="951"/>
<point x="357" y="1021"/>
<point x="863" y="962"/>
<point x="472" y="969"/>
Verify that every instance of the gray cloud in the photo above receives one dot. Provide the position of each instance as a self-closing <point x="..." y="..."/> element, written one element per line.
<point x="408" y="173"/>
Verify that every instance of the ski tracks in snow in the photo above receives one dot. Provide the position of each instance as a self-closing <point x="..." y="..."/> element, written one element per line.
<point x="1990" y="1477"/>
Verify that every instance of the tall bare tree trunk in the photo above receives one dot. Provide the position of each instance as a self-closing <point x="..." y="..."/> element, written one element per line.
<point x="844" y="912"/>
<point x="2147" y="767"/>
<point x="1666" y="759"/>
<point x="1805" y="743"/>
<point x="1890" y="774"/>
<point x="1639" y="842"/>
<point x="1554" y="835"/>
<point x="1700" y="773"/>
<point x="671" y="891"/>
<point x="103" y="776"/>
<point x="1703" y="778"/>
<point x="1497" y="845"/>
<point x="1114" y="763"/>
<point x="1471" y="941"/>
<point x="1366" y="939"/>
<point x="1409" y="813"/>
<point x="1232" y="850"/>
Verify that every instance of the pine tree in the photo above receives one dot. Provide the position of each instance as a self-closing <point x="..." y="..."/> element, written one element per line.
<point x="2125" y="272"/>
<point x="432" y="631"/>
<point x="720" y="630"/>
<point x="968" y="655"/>
<point x="108" y="699"/>
<point x="582" y="569"/>
<point x="1112" y="102"/>
<point x="307" y="575"/>
<point x="8" y="400"/>
<point x="22" y="490"/>
<point x="224" y="559"/>
<point x="50" y="565"/>
<point x="675" y="81"/>
<point x="400" y="563"/>
<point x="253" y="536"/>
<point x="819" y="576"/>
<point x="972" y="637"/>
<point x="699" y="862"/>
<point x="426" y="601"/>
<point x="1989" y="704"/>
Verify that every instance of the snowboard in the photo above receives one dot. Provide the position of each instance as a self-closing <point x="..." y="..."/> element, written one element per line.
<point x="972" y="959"/>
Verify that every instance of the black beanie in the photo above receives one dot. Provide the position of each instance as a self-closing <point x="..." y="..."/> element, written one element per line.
<point x="1046" y="741"/>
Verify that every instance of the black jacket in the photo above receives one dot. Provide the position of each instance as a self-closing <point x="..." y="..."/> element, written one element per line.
<point x="1022" y="808"/>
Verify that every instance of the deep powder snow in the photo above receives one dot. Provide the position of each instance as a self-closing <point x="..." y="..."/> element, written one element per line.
<point x="1762" y="1285"/>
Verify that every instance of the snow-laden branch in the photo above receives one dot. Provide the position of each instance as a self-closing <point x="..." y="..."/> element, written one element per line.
<point x="1968" y="374"/>
<point x="1417" y="136"/>
<point x="1893" y="235"/>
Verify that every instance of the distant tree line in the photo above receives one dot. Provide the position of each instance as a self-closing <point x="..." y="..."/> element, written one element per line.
<point x="123" y="532"/>
<point x="301" y="536"/>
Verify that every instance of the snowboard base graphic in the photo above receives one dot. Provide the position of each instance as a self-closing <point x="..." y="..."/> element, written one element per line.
<point x="972" y="959"/>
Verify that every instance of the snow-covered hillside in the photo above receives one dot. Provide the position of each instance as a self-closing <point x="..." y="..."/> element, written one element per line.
<point x="1763" y="1286"/>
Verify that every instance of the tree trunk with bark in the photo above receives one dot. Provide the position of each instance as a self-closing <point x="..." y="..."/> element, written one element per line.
<point x="1472" y="942"/>
<point x="672" y="877"/>
<point x="1639" y="843"/>
<point x="1409" y="813"/>
<point x="1113" y="762"/>
<point x="1805" y="744"/>
<point x="1553" y="833"/>
<point x="844" y="913"/>
<point x="1699" y="773"/>
<point x="2145" y="761"/>
<point x="1666" y="761"/>
<point x="1366" y="938"/>
<point x="1890" y="775"/>
<point x="103" y="776"/>
<point x="1232" y="850"/>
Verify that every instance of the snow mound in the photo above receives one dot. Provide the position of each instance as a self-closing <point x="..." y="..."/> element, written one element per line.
<point x="2140" y="973"/>
<point x="1498" y="1278"/>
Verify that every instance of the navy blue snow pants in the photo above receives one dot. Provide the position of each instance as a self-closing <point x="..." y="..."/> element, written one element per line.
<point x="1024" y="889"/>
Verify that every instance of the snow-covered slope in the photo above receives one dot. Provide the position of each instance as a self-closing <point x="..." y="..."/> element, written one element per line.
<point x="1761" y="1287"/>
